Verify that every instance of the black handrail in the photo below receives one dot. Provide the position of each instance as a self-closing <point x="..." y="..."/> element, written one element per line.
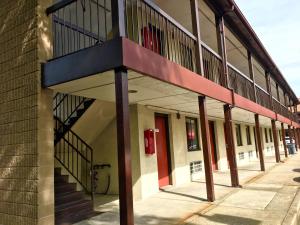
<point x="68" y="154"/>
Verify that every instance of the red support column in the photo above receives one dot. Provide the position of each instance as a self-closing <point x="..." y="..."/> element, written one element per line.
<point x="259" y="143"/>
<point x="206" y="149"/>
<point x="275" y="139"/>
<point x="296" y="139"/>
<point x="124" y="152"/>
<point x="290" y="134"/>
<point x="230" y="147"/>
<point x="283" y="140"/>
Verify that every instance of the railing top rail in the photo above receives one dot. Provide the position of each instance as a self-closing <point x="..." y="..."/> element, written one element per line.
<point x="169" y="18"/>
<point x="58" y="5"/>
<point x="259" y="87"/>
<point x="239" y="72"/>
<point x="210" y="50"/>
<point x="87" y="145"/>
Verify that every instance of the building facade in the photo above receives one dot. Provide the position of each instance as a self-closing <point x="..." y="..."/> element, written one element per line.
<point x="140" y="94"/>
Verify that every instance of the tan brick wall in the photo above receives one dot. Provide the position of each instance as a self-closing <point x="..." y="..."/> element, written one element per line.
<point x="26" y="134"/>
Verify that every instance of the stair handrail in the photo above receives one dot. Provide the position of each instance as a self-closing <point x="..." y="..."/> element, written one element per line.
<point x="79" y="153"/>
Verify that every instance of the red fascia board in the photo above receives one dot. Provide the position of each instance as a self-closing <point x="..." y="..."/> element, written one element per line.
<point x="150" y="63"/>
<point x="251" y="106"/>
<point x="283" y="119"/>
<point x="147" y="62"/>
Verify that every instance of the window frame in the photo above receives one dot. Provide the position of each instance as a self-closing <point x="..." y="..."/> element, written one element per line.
<point x="238" y="135"/>
<point x="197" y="148"/>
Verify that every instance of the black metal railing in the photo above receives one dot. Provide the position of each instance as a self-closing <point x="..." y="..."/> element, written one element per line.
<point x="263" y="98"/>
<point x="152" y="28"/>
<point x="240" y="84"/>
<point x="75" y="155"/>
<point x="212" y="66"/>
<point x="79" y="24"/>
<point x="277" y="106"/>
<point x="68" y="109"/>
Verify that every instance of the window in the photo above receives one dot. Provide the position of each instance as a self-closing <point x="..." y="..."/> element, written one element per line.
<point x="238" y="135"/>
<point x="241" y="156"/>
<point x="250" y="154"/>
<point x="192" y="134"/>
<point x="266" y="135"/>
<point x="249" y="141"/>
<point x="271" y="136"/>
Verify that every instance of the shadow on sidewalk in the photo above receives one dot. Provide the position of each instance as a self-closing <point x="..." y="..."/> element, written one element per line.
<point x="228" y="220"/>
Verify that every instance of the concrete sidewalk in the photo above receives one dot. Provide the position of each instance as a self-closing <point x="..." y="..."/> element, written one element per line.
<point x="264" y="199"/>
<point x="269" y="199"/>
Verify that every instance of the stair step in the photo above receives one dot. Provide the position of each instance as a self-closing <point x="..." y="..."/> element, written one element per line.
<point x="68" y="197"/>
<point x="65" y="187"/>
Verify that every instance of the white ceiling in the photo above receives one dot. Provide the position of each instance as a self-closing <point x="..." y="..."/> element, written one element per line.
<point x="153" y="93"/>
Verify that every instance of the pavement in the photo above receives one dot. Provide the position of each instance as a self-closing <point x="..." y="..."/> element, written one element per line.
<point x="265" y="198"/>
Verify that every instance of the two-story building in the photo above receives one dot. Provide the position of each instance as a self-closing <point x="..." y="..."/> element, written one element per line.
<point x="126" y="97"/>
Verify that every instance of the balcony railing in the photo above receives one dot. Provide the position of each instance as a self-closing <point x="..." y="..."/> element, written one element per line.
<point x="263" y="98"/>
<point x="79" y="24"/>
<point x="152" y="28"/>
<point x="212" y="65"/>
<point x="240" y="84"/>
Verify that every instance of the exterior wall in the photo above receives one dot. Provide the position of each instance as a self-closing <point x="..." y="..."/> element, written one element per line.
<point x="26" y="120"/>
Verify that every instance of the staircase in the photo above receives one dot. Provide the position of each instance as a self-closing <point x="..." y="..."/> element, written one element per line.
<point x="76" y="157"/>
<point x="71" y="206"/>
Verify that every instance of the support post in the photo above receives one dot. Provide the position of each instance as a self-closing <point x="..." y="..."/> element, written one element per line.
<point x="296" y="139"/>
<point x="206" y="149"/>
<point x="118" y="18"/>
<point x="275" y="138"/>
<point x="230" y="147"/>
<point x="259" y="143"/>
<point x="222" y="48"/>
<point x="290" y="134"/>
<point x="283" y="140"/>
<point x="252" y="75"/>
<point x="196" y="32"/>
<point x="123" y="142"/>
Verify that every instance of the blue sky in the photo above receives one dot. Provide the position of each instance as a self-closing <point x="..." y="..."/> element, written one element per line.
<point x="277" y="24"/>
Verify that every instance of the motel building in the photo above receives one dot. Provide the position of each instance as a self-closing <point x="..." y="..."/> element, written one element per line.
<point x="127" y="98"/>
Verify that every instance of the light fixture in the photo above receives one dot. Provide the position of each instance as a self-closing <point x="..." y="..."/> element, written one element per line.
<point x="132" y="91"/>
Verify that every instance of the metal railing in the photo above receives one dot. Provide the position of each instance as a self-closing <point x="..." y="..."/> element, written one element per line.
<point x="78" y="24"/>
<point x="75" y="155"/>
<point x="152" y="28"/>
<point x="66" y="107"/>
<point x="212" y="66"/>
<point x="263" y="98"/>
<point x="277" y="107"/>
<point x="240" y="84"/>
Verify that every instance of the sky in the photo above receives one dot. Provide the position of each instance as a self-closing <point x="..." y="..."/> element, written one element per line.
<point x="277" y="24"/>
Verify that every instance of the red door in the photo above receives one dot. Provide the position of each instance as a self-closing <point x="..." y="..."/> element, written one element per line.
<point x="214" y="158"/>
<point x="161" y="123"/>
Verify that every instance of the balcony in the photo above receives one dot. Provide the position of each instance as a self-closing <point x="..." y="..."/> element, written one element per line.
<point x="79" y="25"/>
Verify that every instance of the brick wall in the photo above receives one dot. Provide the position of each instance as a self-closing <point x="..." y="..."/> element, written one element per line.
<point x="26" y="134"/>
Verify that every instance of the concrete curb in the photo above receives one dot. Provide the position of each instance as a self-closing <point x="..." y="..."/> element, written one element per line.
<point x="293" y="215"/>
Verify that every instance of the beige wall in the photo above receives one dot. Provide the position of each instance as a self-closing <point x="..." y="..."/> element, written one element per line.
<point x="26" y="127"/>
<point x="144" y="167"/>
